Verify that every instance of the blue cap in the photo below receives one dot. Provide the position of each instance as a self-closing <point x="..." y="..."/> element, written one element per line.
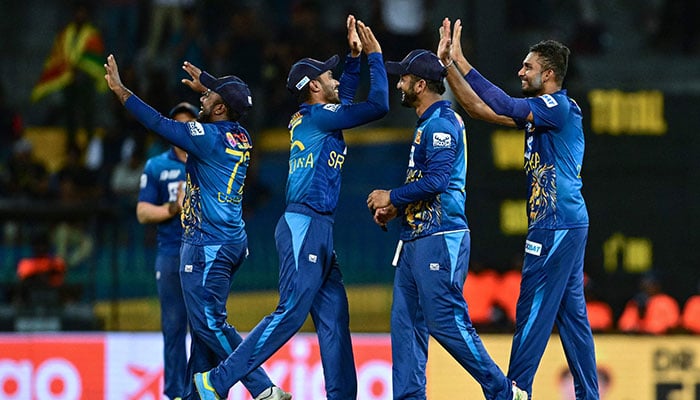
<point x="184" y="107"/>
<point x="232" y="89"/>
<point x="306" y="70"/>
<point x="421" y="63"/>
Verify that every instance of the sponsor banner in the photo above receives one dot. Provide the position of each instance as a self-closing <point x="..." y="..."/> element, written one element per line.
<point x="629" y="367"/>
<point x="52" y="367"/>
<point x="128" y="366"/>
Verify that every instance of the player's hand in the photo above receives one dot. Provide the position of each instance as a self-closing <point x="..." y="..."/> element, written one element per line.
<point x="353" y="38"/>
<point x="378" y="199"/>
<point x="370" y="44"/>
<point x="445" y="44"/>
<point x="383" y="215"/>
<point x="456" y="51"/>
<point x="194" y="73"/>
<point x="113" y="79"/>
<point x="181" y="193"/>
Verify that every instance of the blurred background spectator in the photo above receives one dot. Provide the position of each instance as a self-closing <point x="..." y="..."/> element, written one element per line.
<point x="651" y="310"/>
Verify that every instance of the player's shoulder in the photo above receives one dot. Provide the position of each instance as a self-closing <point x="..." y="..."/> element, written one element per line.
<point x="556" y="100"/>
<point x="326" y="108"/>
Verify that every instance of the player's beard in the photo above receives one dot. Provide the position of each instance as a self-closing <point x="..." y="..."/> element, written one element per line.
<point x="329" y="92"/>
<point x="408" y="98"/>
<point x="205" y="114"/>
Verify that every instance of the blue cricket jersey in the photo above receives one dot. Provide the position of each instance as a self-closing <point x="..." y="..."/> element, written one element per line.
<point x="554" y="146"/>
<point x="318" y="149"/>
<point x="433" y="196"/>
<point x="159" y="181"/>
<point x="218" y="155"/>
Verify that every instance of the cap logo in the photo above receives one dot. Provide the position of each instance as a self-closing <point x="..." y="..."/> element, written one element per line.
<point x="302" y="82"/>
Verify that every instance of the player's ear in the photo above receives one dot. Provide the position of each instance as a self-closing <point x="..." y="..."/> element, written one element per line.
<point x="220" y="108"/>
<point x="314" y="86"/>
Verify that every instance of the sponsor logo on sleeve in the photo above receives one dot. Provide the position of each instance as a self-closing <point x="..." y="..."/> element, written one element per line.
<point x="549" y="101"/>
<point x="434" y="266"/>
<point x="441" y="139"/>
<point x="196" y="129"/>
<point x="313" y="258"/>
<point x="331" y="107"/>
<point x="533" y="248"/>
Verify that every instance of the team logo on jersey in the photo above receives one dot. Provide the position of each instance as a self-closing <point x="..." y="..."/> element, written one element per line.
<point x="549" y="101"/>
<point x="196" y="129"/>
<point x="543" y="191"/>
<point x="238" y="139"/>
<point x="441" y="139"/>
<point x="416" y="139"/>
<point x="331" y="107"/>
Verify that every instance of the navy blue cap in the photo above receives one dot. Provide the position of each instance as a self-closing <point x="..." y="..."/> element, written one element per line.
<point x="306" y="70"/>
<point x="184" y="107"/>
<point x="421" y="63"/>
<point x="232" y="89"/>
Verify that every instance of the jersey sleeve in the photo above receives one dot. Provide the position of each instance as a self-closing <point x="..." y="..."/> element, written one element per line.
<point x="349" y="80"/>
<point x="441" y="149"/>
<point x="549" y="110"/>
<point x="497" y="99"/>
<point x="148" y="191"/>
<point x="189" y="136"/>
<point x="333" y="117"/>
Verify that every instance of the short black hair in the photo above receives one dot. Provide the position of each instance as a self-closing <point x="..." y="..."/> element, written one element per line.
<point x="554" y="55"/>
<point x="434" y="86"/>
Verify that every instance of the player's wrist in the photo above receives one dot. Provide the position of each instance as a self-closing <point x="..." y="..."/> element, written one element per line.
<point x="174" y="208"/>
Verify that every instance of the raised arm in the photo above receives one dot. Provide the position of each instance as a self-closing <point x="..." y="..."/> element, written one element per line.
<point x="450" y="53"/>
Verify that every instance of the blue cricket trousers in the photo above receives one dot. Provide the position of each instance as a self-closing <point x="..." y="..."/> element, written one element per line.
<point x="206" y="273"/>
<point x="551" y="291"/>
<point x="173" y="321"/>
<point x="428" y="300"/>
<point x="310" y="281"/>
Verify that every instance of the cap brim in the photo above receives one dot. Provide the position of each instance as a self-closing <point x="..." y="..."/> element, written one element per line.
<point x="395" y="68"/>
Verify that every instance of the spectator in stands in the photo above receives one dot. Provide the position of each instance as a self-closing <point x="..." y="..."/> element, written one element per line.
<point x="600" y="313"/>
<point x="27" y="177"/>
<point x="165" y="16"/>
<point x="11" y="128"/>
<point x="651" y="310"/>
<point x="690" y="319"/>
<point x="42" y="275"/>
<point x="74" y="67"/>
